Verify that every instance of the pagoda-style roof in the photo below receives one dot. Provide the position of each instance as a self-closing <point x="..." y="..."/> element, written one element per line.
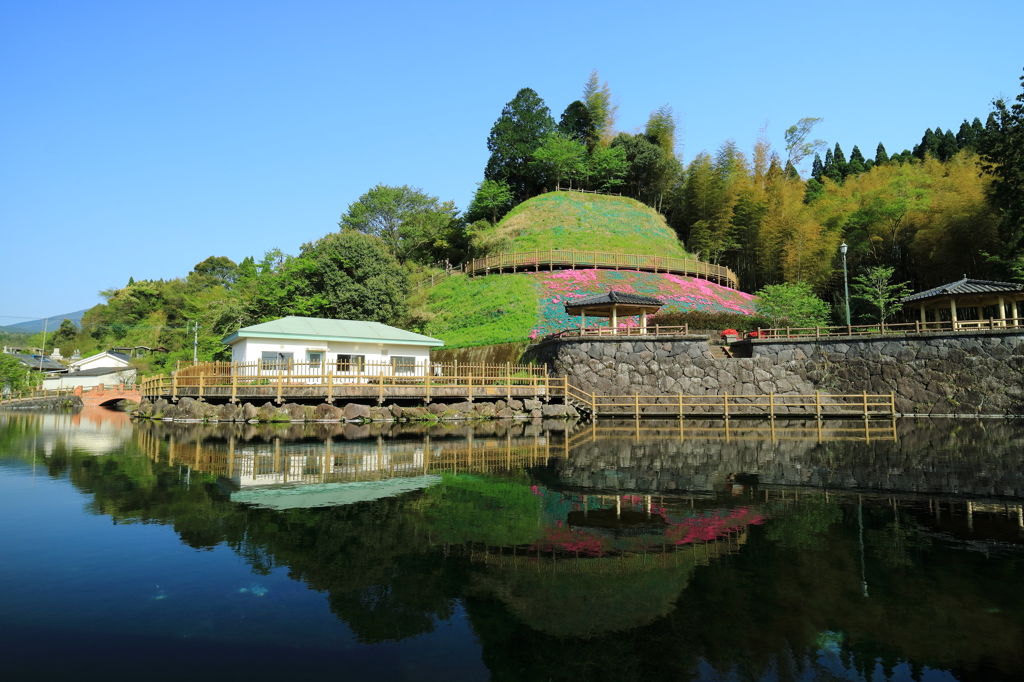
<point x="965" y="287"/>
<point x="613" y="299"/>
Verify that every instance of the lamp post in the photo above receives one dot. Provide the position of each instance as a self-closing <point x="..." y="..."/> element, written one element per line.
<point x="846" y="281"/>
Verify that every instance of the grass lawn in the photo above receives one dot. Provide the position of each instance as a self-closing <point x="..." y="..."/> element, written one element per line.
<point x="589" y="222"/>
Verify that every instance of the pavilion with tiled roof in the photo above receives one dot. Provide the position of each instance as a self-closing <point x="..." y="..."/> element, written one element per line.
<point x="969" y="300"/>
<point x="614" y="304"/>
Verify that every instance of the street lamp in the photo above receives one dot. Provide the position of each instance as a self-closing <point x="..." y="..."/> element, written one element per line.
<point x="846" y="281"/>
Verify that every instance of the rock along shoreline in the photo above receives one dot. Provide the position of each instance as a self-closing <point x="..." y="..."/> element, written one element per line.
<point x="191" y="410"/>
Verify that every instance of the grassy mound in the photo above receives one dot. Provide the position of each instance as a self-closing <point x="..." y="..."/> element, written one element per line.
<point x="589" y="222"/>
<point x="464" y="311"/>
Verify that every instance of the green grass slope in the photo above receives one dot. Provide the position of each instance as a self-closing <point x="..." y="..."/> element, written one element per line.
<point x="590" y="222"/>
<point x="468" y="311"/>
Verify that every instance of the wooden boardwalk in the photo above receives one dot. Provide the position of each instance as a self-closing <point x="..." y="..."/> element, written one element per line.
<point x="450" y="382"/>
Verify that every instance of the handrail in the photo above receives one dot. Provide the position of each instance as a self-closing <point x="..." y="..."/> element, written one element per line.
<point x="650" y="330"/>
<point x="224" y="379"/>
<point x="16" y="396"/>
<point x="560" y="258"/>
<point x="916" y="327"/>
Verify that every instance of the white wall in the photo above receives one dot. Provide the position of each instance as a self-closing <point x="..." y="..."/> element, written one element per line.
<point x="250" y="350"/>
<point x="72" y="379"/>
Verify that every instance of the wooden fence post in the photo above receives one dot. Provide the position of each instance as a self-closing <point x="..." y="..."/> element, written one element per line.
<point x="725" y="405"/>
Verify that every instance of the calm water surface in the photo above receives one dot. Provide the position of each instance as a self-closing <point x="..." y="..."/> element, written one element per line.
<point x="616" y="551"/>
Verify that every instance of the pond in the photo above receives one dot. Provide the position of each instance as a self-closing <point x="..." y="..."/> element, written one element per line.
<point x="616" y="550"/>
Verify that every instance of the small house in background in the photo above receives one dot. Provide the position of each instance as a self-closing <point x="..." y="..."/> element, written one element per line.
<point x="36" y="361"/>
<point x="107" y="359"/>
<point x="108" y="368"/>
<point x="90" y="378"/>
<point x="343" y="346"/>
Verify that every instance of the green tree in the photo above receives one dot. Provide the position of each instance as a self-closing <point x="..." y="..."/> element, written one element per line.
<point x="798" y="147"/>
<point x="929" y="144"/>
<point x="793" y="304"/>
<point x="560" y="158"/>
<point x="14" y="376"/>
<point x="491" y="201"/>
<point x="857" y="161"/>
<point x="348" y="275"/>
<point x="67" y="332"/>
<point x="817" y="168"/>
<point x="661" y="129"/>
<point x="948" y="146"/>
<point x="1002" y="151"/>
<point x="212" y="272"/>
<point x="875" y="288"/>
<point x="880" y="156"/>
<point x="608" y="167"/>
<point x="576" y="123"/>
<point x="384" y="212"/>
<point x="524" y="123"/>
<point x="603" y="111"/>
<point x="839" y="159"/>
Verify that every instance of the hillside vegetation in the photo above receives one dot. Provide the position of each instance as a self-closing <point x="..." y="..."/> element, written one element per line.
<point x="585" y="222"/>
<point x="472" y="311"/>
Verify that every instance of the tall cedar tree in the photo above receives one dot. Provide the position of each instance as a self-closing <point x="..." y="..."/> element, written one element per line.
<point x="839" y="159"/>
<point x="522" y="128"/>
<point x="857" y="161"/>
<point x="817" y="168"/>
<point x="880" y="156"/>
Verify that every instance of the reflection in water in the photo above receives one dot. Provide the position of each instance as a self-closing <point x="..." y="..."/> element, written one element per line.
<point x="605" y="551"/>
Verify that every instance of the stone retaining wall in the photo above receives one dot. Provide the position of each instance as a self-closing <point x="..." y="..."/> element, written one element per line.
<point x="935" y="374"/>
<point x="669" y="365"/>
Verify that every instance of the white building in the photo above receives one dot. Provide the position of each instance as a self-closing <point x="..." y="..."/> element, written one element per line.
<point x="311" y="345"/>
<point x="107" y="358"/>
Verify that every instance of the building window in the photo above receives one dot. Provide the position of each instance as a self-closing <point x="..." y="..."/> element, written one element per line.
<point x="403" y="365"/>
<point x="314" y="357"/>
<point x="275" y="361"/>
<point x="351" y="364"/>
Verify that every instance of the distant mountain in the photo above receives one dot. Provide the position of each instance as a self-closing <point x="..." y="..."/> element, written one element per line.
<point x="51" y="323"/>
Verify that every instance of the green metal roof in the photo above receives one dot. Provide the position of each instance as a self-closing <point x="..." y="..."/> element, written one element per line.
<point x="320" y="329"/>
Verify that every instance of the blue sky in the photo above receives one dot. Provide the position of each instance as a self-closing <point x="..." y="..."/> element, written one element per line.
<point x="138" y="138"/>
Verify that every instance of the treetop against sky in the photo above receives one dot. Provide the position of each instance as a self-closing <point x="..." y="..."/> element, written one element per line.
<point x="141" y="138"/>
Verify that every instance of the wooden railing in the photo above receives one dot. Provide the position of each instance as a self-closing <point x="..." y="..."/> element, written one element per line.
<point x="16" y="396"/>
<point x="334" y="380"/>
<point x="916" y="327"/>
<point x="515" y="261"/>
<point x="817" y="405"/>
<point x="650" y="330"/>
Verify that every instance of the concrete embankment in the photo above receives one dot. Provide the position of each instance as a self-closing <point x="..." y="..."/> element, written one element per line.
<point x="188" y="409"/>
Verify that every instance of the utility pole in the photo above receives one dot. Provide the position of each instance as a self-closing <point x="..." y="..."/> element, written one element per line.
<point x="195" y="344"/>
<point x="42" y="354"/>
<point x="846" y="281"/>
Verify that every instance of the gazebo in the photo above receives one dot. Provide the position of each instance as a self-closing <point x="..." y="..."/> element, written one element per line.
<point x="968" y="301"/>
<point x="614" y="305"/>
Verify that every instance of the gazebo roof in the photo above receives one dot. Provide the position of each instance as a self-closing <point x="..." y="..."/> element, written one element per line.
<point x="615" y="298"/>
<point x="965" y="287"/>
